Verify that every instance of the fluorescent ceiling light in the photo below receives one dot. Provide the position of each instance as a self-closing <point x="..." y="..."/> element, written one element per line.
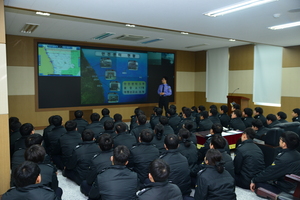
<point x="130" y="25"/>
<point x="282" y="26"/>
<point x="102" y="36"/>
<point x="42" y="13"/>
<point x="29" y="28"/>
<point x="154" y="40"/>
<point x="236" y="7"/>
<point x="232" y="40"/>
<point x="184" y="33"/>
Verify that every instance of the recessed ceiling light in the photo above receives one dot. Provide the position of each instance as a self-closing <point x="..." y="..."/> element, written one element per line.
<point x="283" y="26"/>
<point x="29" y="28"/>
<point x="232" y="40"/>
<point x="102" y="36"/>
<point x="236" y="7"/>
<point x="130" y="25"/>
<point x="43" y="13"/>
<point x="184" y="33"/>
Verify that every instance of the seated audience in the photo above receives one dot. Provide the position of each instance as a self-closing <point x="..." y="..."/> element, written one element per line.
<point x="260" y="130"/>
<point x="271" y="120"/>
<point x="118" y="119"/>
<point x="25" y="130"/>
<point x="247" y="114"/>
<point x="204" y="123"/>
<point x="123" y="138"/>
<point x="142" y="124"/>
<point x="296" y="115"/>
<point x="133" y="121"/>
<point x="49" y="127"/>
<point x="236" y="122"/>
<point x="189" y="125"/>
<point x="109" y="128"/>
<point x="200" y="109"/>
<point x="158" y="138"/>
<point x="258" y="114"/>
<point x="105" y="115"/>
<point x="235" y="106"/>
<point x="95" y="126"/>
<point x="15" y="134"/>
<point x="213" y="116"/>
<point x="174" y="119"/>
<point x="155" y="118"/>
<point x="165" y="122"/>
<point x="186" y="116"/>
<point x="81" y="123"/>
<point x="281" y="117"/>
<point x="223" y="116"/>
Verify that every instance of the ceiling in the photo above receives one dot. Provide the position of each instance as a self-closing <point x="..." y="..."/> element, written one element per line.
<point x="83" y="20"/>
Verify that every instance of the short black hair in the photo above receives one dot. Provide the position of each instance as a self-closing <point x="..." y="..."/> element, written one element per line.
<point x="136" y="111"/>
<point x="158" y="111"/>
<point x="36" y="153"/>
<point x="121" y="155"/>
<point x="70" y="125"/>
<point x="26" y="174"/>
<point x="213" y="111"/>
<point x="236" y="106"/>
<point x="105" y="142"/>
<point x="171" y="141"/>
<point x="50" y="120"/>
<point x="213" y="106"/>
<point x="171" y="111"/>
<point x="271" y="117"/>
<point x="204" y="114"/>
<point x="109" y="124"/>
<point x="142" y="119"/>
<point x="159" y="170"/>
<point x="164" y="120"/>
<point x="33" y="139"/>
<point x="146" y="135"/>
<point x="224" y="108"/>
<point x="87" y="135"/>
<point x="159" y="131"/>
<point x="214" y="157"/>
<point x="250" y="133"/>
<point x="121" y="127"/>
<point x="237" y="112"/>
<point x="187" y="112"/>
<point x="15" y="126"/>
<point x="56" y="120"/>
<point x="166" y="78"/>
<point x="282" y="115"/>
<point x="248" y="112"/>
<point x="188" y="124"/>
<point x="297" y="111"/>
<point x="194" y="108"/>
<point x="78" y="113"/>
<point x="291" y="139"/>
<point x="184" y="135"/>
<point x="118" y="117"/>
<point x="201" y="108"/>
<point x="172" y="106"/>
<point x="26" y="129"/>
<point x="217" y="128"/>
<point x="259" y="110"/>
<point x="13" y="120"/>
<point x="257" y="123"/>
<point x="95" y="117"/>
<point x="218" y="142"/>
<point x="105" y="111"/>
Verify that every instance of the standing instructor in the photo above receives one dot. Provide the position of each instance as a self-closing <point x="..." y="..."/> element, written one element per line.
<point x="164" y="91"/>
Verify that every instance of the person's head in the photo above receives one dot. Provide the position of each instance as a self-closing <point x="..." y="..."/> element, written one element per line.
<point x="95" y="117"/>
<point x="159" y="131"/>
<point x="13" y="120"/>
<point x="109" y="124"/>
<point x="172" y="106"/>
<point x="188" y="124"/>
<point x="194" y="109"/>
<point x="50" y="120"/>
<point x="248" y="134"/>
<point x="15" y="126"/>
<point x="184" y="136"/>
<point x="213" y="112"/>
<point x="296" y="112"/>
<point x="70" y="125"/>
<point x="236" y="114"/>
<point x="213" y="107"/>
<point x="159" y="171"/>
<point x="120" y="155"/>
<point x="118" y="117"/>
<point x="248" y="112"/>
<point x="105" y="111"/>
<point x="27" y="173"/>
<point x="164" y="80"/>
<point x="289" y="140"/>
<point x="105" y="142"/>
<point x="258" y="111"/>
<point x="146" y="135"/>
<point x="26" y="129"/>
<point x="36" y="153"/>
<point x="171" y="112"/>
<point x="213" y="157"/>
<point x="216" y="129"/>
<point x="87" y="135"/>
<point x="257" y="124"/>
<point x="142" y="119"/>
<point x="56" y="120"/>
<point x="163" y="120"/>
<point x="158" y="112"/>
<point x="281" y="115"/>
<point x="217" y="142"/>
<point x="136" y="111"/>
<point x="33" y="139"/>
<point x="271" y="118"/>
<point x="204" y="114"/>
<point x="224" y="109"/>
<point x="187" y="112"/>
<point x="171" y="141"/>
<point x="235" y="106"/>
<point x="201" y="108"/>
<point x="78" y="114"/>
<point x="120" y="127"/>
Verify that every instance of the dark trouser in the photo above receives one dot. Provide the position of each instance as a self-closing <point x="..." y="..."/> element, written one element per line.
<point x="269" y="187"/>
<point x="241" y="182"/>
<point x="73" y="175"/>
<point x="58" y="162"/>
<point x="164" y="103"/>
<point x="59" y="192"/>
<point x="85" y="188"/>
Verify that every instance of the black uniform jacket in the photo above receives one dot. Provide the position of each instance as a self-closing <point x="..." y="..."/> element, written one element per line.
<point x="124" y="139"/>
<point x="237" y="124"/>
<point x="96" y="127"/>
<point x="138" y="129"/>
<point x="160" y="191"/>
<point x="248" y="121"/>
<point x="205" y="125"/>
<point x="51" y="138"/>
<point x="174" y="120"/>
<point x="224" y="119"/>
<point x="213" y="185"/>
<point x="81" y="124"/>
<point x="191" y="153"/>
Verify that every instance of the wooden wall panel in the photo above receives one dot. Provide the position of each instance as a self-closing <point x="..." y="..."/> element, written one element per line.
<point x="200" y="61"/>
<point x="184" y="99"/>
<point x="185" y="61"/>
<point x="4" y="154"/>
<point x="20" y="51"/>
<point x="241" y="57"/>
<point x="288" y="104"/>
<point x="2" y="22"/>
<point x="291" y="57"/>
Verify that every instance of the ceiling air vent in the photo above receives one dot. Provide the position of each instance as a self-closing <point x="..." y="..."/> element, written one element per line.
<point x="150" y="41"/>
<point x="130" y="37"/>
<point x="102" y="36"/>
<point x="194" y="46"/>
<point x="29" y="28"/>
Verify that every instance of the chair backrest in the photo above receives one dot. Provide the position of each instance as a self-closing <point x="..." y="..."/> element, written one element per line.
<point x="289" y="126"/>
<point x="272" y="136"/>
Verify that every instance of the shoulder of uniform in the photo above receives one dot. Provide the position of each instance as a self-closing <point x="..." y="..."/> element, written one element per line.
<point x="134" y="146"/>
<point x="49" y="165"/>
<point x="96" y="155"/>
<point x="78" y="146"/>
<point x="46" y="188"/>
<point x="141" y="192"/>
<point x="163" y="155"/>
<point x="201" y="171"/>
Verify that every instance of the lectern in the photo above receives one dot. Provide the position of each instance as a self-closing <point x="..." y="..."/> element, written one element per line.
<point x="242" y="101"/>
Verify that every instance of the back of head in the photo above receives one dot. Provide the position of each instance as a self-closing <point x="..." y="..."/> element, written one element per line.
<point x="70" y="125"/>
<point x="194" y="108"/>
<point x="213" y="107"/>
<point x="259" y="110"/>
<point x="33" y="139"/>
<point x="95" y="117"/>
<point x="136" y="111"/>
<point x="213" y="156"/>
<point x="36" y="153"/>
<point x="159" y="170"/>
<point x="171" y="111"/>
<point x="146" y="135"/>
<point x="257" y="123"/>
<point x="105" y="111"/>
<point x="121" y="127"/>
<point x="78" y="114"/>
<point x="164" y="120"/>
<point x="56" y="120"/>
<point x="238" y="113"/>
<point x="188" y="124"/>
<point x="187" y="112"/>
<point x="109" y="124"/>
<point x="171" y="141"/>
<point x="282" y="115"/>
<point x="26" y="174"/>
<point x="291" y="139"/>
<point x="184" y="135"/>
<point x="105" y="142"/>
<point x="50" y="120"/>
<point x="213" y="111"/>
<point x="87" y="135"/>
<point x="250" y="133"/>
<point x="224" y="108"/>
<point x="201" y="108"/>
<point x="121" y="155"/>
<point x="118" y="117"/>
<point x="248" y="112"/>
<point x="173" y="107"/>
<point x="26" y="129"/>
<point x="218" y="142"/>
<point x="271" y="117"/>
<point x="159" y="131"/>
<point x="204" y="114"/>
<point x="140" y="113"/>
<point x="13" y="120"/>
<point x="158" y="111"/>
<point x="236" y="106"/>
<point x="15" y="126"/>
<point x="142" y="119"/>
<point x="217" y="128"/>
<point x="297" y="110"/>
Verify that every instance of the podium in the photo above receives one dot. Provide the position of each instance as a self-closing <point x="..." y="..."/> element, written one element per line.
<point x="242" y="101"/>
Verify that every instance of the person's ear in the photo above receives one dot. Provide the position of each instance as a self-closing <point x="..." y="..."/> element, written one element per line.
<point x="165" y="147"/>
<point x="38" y="179"/>
<point x="112" y="160"/>
<point x="151" y="178"/>
<point x="126" y="162"/>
